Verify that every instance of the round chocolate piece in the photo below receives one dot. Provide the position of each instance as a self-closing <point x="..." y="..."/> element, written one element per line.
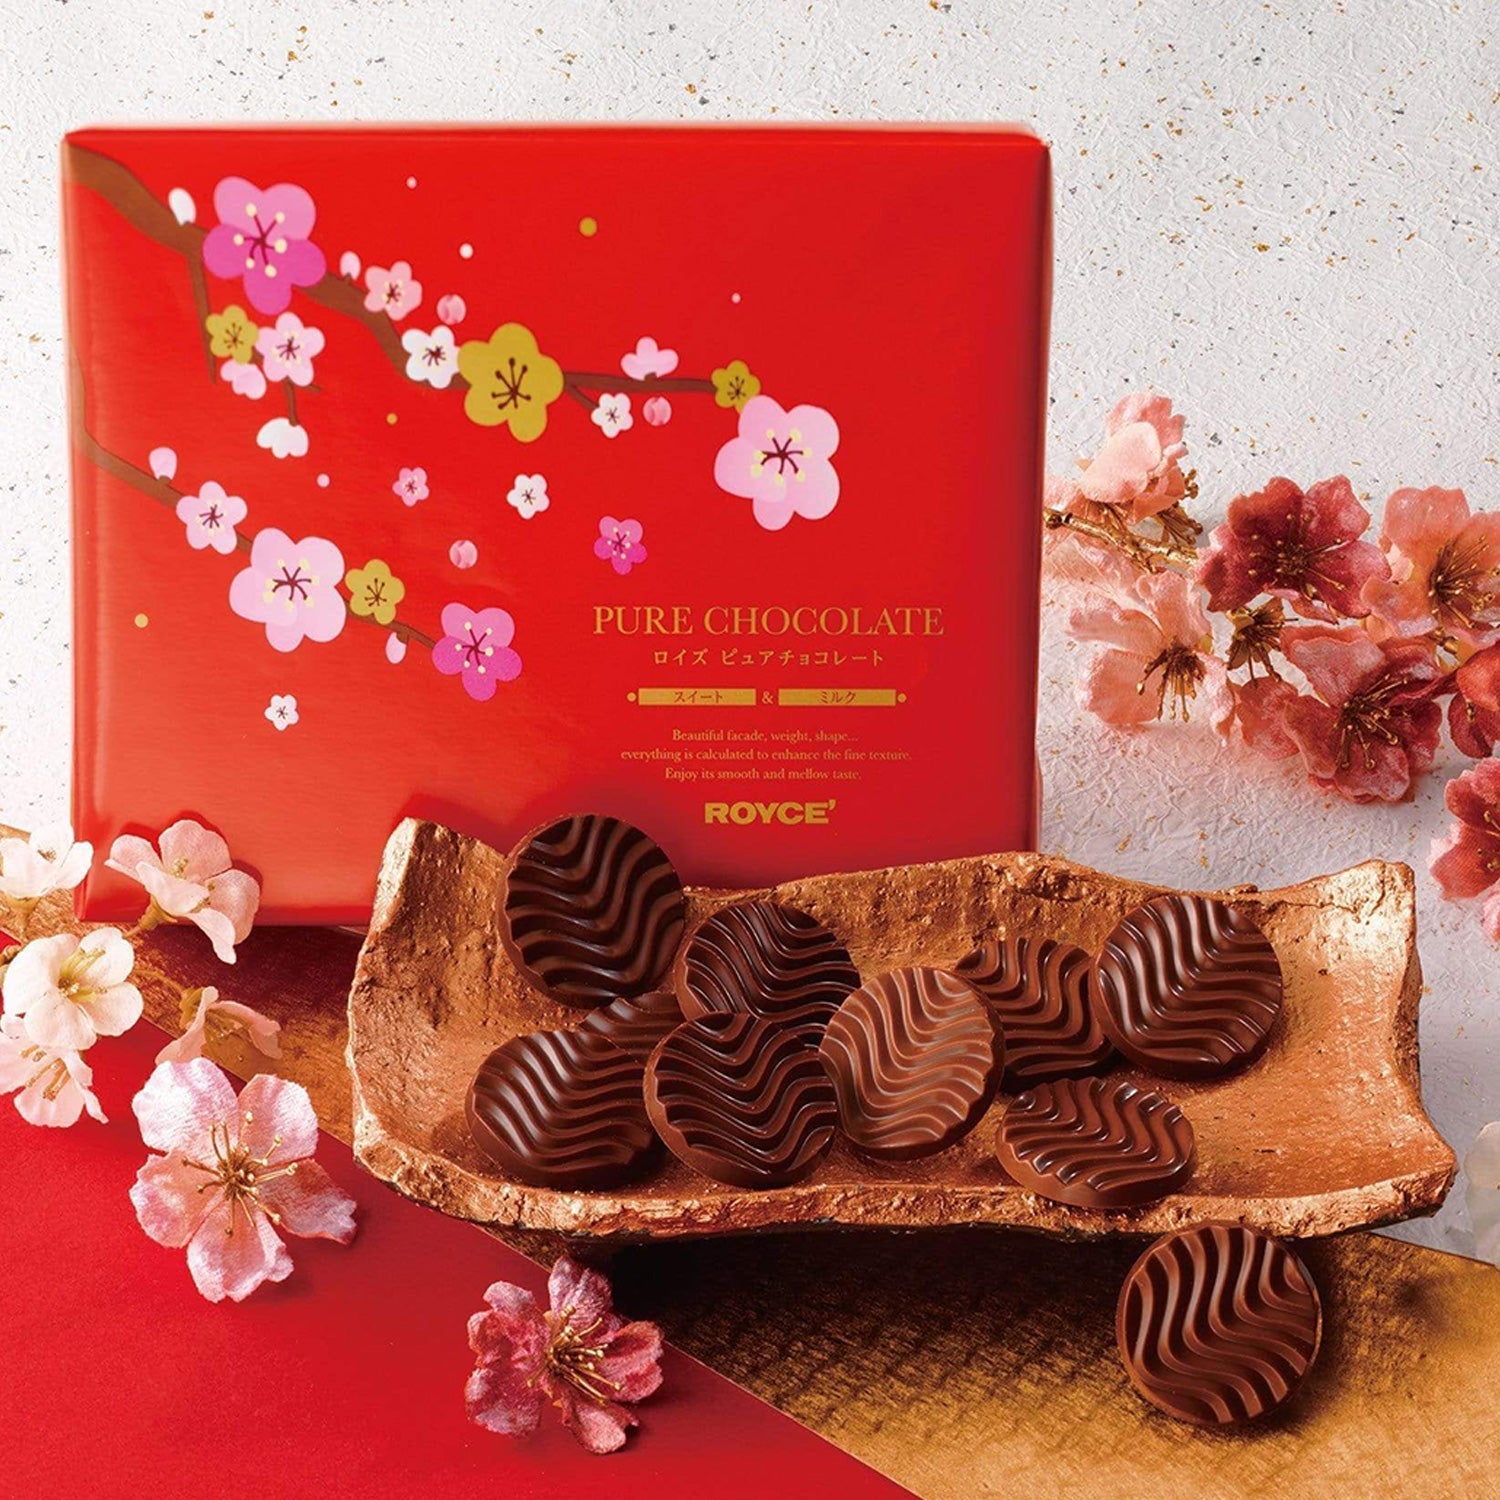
<point x="1040" y="991"/>
<point x="742" y="1100"/>
<point x="593" y="910"/>
<point x="636" y="1025"/>
<point x="1096" y="1143"/>
<point x="562" y="1109"/>
<point x="915" y="1059"/>
<point x="1188" y="987"/>
<point x="1218" y="1324"/>
<point x="770" y="960"/>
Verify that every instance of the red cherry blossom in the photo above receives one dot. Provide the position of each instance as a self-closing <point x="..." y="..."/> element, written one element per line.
<point x="1474" y="709"/>
<point x="1467" y="862"/>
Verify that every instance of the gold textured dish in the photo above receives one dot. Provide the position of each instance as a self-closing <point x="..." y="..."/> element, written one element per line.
<point x="1325" y="1132"/>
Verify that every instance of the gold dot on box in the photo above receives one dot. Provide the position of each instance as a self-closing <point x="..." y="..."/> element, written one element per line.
<point x="588" y="226"/>
<point x="142" y="621"/>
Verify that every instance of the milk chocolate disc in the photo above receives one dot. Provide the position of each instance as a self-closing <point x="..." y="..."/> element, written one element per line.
<point x="742" y="1100"/>
<point x="1188" y="987"/>
<point x="767" y="959"/>
<point x="637" y="1024"/>
<point x="1096" y="1143"/>
<point x="915" y="1058"/>
<point x="1218" y="1324"/>
<point x="562" y="1109"/>
<point x="593" y="910"/>
<point x="1040" y="991"/>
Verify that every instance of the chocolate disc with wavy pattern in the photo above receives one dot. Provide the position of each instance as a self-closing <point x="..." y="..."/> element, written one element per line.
<point x="770" y="960"/>
<point x="915" y="1058"/>
<point x="1218" y="1324"/>
<point x="562" y="1109"/>
<point x="1096" y="1143"/>
<point x="635" y="1025"/>
<point x="593" y="910"/>
<point x="742" y="1100"/>
<point x="1188" y="987"/>
<point x="1041" y="993"/>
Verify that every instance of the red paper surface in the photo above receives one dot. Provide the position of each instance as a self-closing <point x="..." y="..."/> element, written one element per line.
<point x="347" y="1379"/>
<point x="896" y="279"/>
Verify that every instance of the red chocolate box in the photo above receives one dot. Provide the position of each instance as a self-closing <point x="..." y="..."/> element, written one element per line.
<point x="492" y="474"/>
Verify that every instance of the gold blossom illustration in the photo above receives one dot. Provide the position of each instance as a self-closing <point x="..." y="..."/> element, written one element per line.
<point x="374" y="591"/>
<point x="231" y="334"/>
<point x="734" y="385"/>
<point x="511" y="381"/>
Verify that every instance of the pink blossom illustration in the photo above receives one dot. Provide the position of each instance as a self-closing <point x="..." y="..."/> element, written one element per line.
<point x="244" y="380"/>
<point x="452" y="309"/>
<point x="780" y="461"/>
<point x="263" y="237"/>
<point x="411" y="486"/>
<point x="291" y="588"/>
<point x="619" y="544"/>
<point x="392" y="290"/>
<point x="649" y="359"/>
<point x="287" y="351"/>
<point x="210" y="517"/>
<point x="476" y="648"/>
<point x="657" y="410"/>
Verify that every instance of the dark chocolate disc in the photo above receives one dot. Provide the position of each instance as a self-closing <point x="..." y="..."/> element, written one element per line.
<point x="562" y="1109"/>
<point x="1040" y="991"/>
<point x="593" y="910"/>
<point x="1218" y="1324"/>
<point x="1096" y="1143"/>
<point x="636" y="1025"/>
<point x="770" y="960"/>
<point x="1188" y="986"/>
<point x="742" y="1100"/>
<point x="915" y="1058"/>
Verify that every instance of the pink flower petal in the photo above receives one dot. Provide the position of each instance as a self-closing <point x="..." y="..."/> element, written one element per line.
<point x="275" y="1107"/>
<point x="578" y="1292"/>
<point x="167" y="1199"/>
<point x="499" y="1397"/>
<point x="601" y="1429"/>
<point x="1110" y="687"/>
<point x="194" y="852"/>
<point x="180" y="1102"/>
<point x="234" y="1252"/>
<point x="308" y="1203"/>
<point x="632" y="1361"/>
<point x="128" y="852"/>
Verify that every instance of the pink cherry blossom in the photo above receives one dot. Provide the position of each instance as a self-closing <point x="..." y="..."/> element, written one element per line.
<point x="1474" y="708"/>
<point x="1155" y="653"/>
<point x="619" y="544"/>
<point x="476" y="647"/>
<point x="649" y="359"/>
<point x="1139" y="468"/>
<point x="211" y="517"/>
<point x="1466" y="863"/>
<point x="292" y="588"/>
<point x="392" y="290"/>
<point x="411" y="486"/>
<point x="263" y="237"/>
<point x="51" y="1088"/>
<point x="780" y="461"/>
<point x="287" y="351"/>
<point x="1261" y="706"/>
<point x="657" y="410"/>
<point x="202" y="1009"/>
<point x="191" y="880"/>
<point x="230" y="1174"/>
<point x="452" y="309"/>
<point x="1445" y="567"/>
<point x="577" y="1355"/>
<point x="1301" y="547"/>
<point x="73" y="990"/>
<point x="248" y="380"/>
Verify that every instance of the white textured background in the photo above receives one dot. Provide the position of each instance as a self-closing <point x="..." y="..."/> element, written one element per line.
<point x="1284" y="215"/>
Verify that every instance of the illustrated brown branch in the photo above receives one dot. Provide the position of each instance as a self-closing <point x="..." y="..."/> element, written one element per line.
<point x="167" y="494"/>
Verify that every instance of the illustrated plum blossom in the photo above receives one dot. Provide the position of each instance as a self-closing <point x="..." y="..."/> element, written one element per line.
<point x="287" y="351"/>
<point x="1482" y="1193"/>
<point x="203" y="1011"/>
<point x="611" y="414"/>
<point x="529" y="495"/>
<point x="263" y="237"/>
<point x="282" y="710"/>
<point x="1466" y="862"/>
<point x="392" y="290"/>
<point x="511" y="382"/>
<point x="577" y="1355"/>
<point x="734" y="385"/>
<point x="1301" y="547"/>
<point x="248" y="381"/>
<point x="349" y="265"/>
<point x="374" y="591"/>
<point x="781" y="461"/>
<point x="291" y="588"/>
<point x="619" y="543"/>
<point x="192" y="880"/>
<point x="411" y="486"/>
<point x="49" y="860"/>
<point x="395" y="649"/>
<point x="1474" y="708"/>
<point x="163" y="463"/>
<point x="1155" y="654"/>
<point x="657" y="410"/>
<point x="211" y="517"/>
<point x="231" y="1173"/>
<point x="648" y="359"/>
<point x="475" y="647"/>
<point x="71" y="990"/>
<point x="1445" y="567"/>
<point x="452" y="309"/>
<point x="463" y="554"/>
<point x="51" y="1088"/>
<point x="283" y="437"/>
<point x="231" y="334"/>
<point x="431" y="357"/>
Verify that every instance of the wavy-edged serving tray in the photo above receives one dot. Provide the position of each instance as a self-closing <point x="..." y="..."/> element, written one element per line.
<point x="1325" y="1132"/>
